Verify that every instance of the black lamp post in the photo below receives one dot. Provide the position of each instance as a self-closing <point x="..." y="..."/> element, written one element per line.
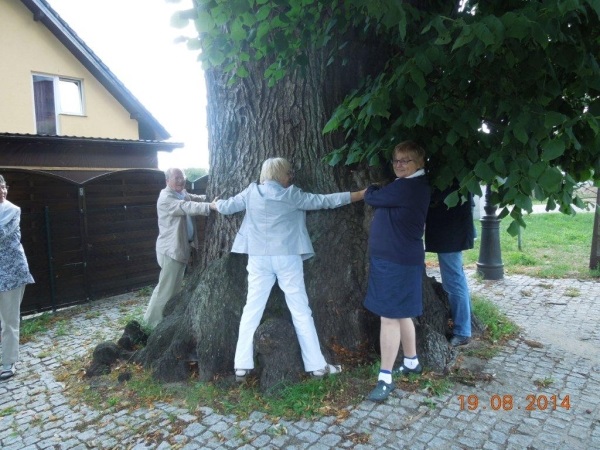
<point x="489" y="265"/>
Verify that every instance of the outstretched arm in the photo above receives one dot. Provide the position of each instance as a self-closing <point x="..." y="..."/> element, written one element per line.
<point x="357" y="195"/>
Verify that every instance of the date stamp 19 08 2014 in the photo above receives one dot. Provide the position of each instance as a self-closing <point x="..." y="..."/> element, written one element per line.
<point x="507" y="402"/>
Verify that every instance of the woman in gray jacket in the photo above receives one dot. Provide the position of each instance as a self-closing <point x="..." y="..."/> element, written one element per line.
<point x="274" y="235"/>
<point x="14" y="275"/>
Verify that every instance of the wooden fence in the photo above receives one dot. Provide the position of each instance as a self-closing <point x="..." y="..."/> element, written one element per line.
<point x="86" y="241"/>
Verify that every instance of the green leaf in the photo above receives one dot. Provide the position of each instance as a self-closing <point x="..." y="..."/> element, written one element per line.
<point x="378" y="107"/>
<point x="238" y="33"/>
<point x="513" y="228"/>
<point x="242" y="72"/>
<point x="451" y="137"/>
<point x="484" y="171"/>
<point x="524" y="202"/>
<point x="354" y="157"/>
<point x="423" y="63"/>
<point x="484" y="34"/>
<point x="443" y="39"/>
<point x="464" y="38"/>
<point x="263" y="12"/>
<point x="553" y="118"/>
<point x="335" y="158"/>
<point x="205" y="22"/>
<point x="536" y="169"/>
<point x="551" y="180"/>
<point x="516" y="26"/>
<point x="552" y="149"/>
<point x="520" y="133"/>
<point x="374" y="160"/>
<point x="420" y="99"/>
<point x="216" y="57"/>
<point x="540" y="36"/>
<point x="417" y="76"/>
<point x="452" y="199"/>
<point x="402" y="28"/>
<point x="474" y="187"/>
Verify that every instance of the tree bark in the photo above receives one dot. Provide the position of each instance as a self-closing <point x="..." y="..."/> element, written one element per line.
<point x="249" y="122"/>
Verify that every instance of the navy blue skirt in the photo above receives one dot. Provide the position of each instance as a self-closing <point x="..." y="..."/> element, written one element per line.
<point x="394" y="291"/>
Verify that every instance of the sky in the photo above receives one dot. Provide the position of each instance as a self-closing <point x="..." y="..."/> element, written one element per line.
<point x="135" y="39"/>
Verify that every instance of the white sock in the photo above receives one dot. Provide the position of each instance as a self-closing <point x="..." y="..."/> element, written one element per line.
<point x="411" y="363"/>
<point x="385" y="376"/>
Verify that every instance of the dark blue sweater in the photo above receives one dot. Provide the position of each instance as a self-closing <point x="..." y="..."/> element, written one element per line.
<point x="399" y="221"/>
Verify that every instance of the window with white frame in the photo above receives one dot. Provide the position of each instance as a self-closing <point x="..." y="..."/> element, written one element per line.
<point x="53" y="96"/>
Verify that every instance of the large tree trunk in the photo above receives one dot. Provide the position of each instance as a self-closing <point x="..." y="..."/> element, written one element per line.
<point x="249" y="122"/>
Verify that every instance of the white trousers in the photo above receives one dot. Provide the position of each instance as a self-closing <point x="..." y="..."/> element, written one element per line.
<point x="169" y="283"/>
<point x="10" y="317"/>
<point x="289" y="273"/>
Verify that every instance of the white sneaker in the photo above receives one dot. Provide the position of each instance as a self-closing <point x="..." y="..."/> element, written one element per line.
<point x="241" y="374"/>
<point x="330" y="369"/>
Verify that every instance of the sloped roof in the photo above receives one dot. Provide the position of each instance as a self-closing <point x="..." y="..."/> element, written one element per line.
<point x="149" y="127"/>
<point x="78" y="158"/>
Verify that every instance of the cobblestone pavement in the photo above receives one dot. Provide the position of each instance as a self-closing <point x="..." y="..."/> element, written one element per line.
<point x="559" y="347"/>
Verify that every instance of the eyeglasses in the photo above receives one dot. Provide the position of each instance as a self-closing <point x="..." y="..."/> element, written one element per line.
<point x="4" y="186"/>
<point x="400" y="162"/>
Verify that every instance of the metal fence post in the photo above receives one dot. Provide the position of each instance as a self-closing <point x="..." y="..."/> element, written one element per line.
<point x="50" y="258"/>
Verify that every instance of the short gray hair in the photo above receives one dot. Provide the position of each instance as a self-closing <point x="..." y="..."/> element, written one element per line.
<point x="274" y="169"/>
<point x="2" y="180"/>
<point x="170" y="170"/>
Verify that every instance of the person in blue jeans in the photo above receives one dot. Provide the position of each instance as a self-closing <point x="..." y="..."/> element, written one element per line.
<point x="449" y="231"/>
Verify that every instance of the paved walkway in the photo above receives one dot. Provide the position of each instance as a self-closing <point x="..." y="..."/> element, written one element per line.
<point x="559" y="346"/>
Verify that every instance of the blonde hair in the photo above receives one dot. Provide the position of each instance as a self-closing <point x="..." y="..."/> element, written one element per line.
<point x="274" y="169"/>
<point x="413" y="149"/>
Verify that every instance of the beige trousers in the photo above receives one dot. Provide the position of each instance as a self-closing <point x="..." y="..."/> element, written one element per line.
<point x="10" y="317"/>
<point x="169" y="284"/>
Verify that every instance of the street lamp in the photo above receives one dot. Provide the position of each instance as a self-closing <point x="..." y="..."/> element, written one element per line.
<point x="489" y="265"/>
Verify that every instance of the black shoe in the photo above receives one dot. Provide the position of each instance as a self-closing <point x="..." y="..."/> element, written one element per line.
<point x="402" y="370"/>
<point x="381" y="391"/>
<point x="457" y="341"/>
<point x="5" y="374"/>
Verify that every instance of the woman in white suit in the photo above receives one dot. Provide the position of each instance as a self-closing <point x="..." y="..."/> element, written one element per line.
<point x="274" y="235"/>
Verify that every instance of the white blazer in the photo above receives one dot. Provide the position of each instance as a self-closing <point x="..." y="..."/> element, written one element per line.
<point x="275" y="220"/>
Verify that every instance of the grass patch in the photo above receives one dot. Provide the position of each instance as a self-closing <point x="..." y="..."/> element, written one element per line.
<point x="129" y="386"/>
<point x="544" y="382"/>
<point x="7" y="411"/>
<point x="35" y="325"/>
<point x="545" y="252"/>
<point x="308" y="399"/>
<point x="498" y="326"/>
<point x="40" y="324"/>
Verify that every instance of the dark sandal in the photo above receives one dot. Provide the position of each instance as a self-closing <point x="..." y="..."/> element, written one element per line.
<point x="8" y="373"/>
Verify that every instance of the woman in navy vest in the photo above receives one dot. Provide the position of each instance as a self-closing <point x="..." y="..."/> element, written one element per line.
<point x="397" y="262"/>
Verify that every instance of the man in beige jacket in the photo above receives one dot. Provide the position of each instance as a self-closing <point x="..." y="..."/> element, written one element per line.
<point x="176" y="235"/>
